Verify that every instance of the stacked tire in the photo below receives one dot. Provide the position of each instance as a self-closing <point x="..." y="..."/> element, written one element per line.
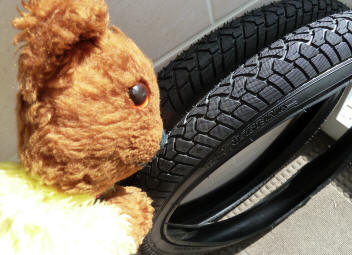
<point x="220" y="95"/>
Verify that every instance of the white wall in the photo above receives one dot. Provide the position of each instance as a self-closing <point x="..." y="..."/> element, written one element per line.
<point x="7" y="81"/>
<point x="162" y="28"/>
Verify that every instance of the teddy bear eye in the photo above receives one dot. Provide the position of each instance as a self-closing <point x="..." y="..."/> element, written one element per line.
<point x="139" y="94"/>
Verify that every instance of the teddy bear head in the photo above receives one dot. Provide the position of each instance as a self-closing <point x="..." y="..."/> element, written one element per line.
<point x="88" y="104"/>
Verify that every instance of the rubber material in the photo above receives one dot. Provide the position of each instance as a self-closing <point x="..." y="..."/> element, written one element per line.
<point x="292" y="195"/>
<point x="214" y="205"/>
<point x="292" y="74"/>
<point x="183" y="81"/>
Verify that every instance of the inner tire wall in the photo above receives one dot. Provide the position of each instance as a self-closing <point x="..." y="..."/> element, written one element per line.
<point x="187" y="78"/>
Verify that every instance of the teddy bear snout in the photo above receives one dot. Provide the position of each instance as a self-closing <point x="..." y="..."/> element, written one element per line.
<point x="163" y="141"/>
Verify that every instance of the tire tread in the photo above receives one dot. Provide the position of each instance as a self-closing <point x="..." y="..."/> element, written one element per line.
<point x="230" y="106"/>
<point x="183" y="81"/>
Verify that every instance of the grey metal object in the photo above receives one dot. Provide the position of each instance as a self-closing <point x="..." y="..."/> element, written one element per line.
<point x="333" y="127"/>
<point x="311" y="150"/>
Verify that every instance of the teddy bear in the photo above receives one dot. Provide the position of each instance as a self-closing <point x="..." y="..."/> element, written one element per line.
<point x="87" y="117"/>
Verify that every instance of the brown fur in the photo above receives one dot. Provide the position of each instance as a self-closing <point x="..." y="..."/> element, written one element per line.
<point x="137" y="205"/>
<point x="78" y="128"/>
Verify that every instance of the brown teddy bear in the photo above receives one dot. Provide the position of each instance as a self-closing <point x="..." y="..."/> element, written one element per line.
<point x="88" y="116"/>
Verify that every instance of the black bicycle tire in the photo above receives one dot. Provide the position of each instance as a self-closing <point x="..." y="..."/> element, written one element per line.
<point x="284" y="148"/>
<point x="329" y="164"/>
<point x="324" y="47"/>
<point x="184" y="80"/>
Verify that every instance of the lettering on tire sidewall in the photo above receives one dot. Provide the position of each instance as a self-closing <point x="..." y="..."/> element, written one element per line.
<point x="262" y="121"/>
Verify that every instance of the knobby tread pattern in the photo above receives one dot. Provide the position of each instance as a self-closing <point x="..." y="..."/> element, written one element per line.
<point x="187" y="78"/>
<point x="254" y="87"/>
<point x="249" y="91"/>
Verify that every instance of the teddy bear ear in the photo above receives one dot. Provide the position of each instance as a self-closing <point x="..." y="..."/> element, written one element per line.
<point x="39" y="114"/>
<point x="116" y="30"/>
<point x="50" y="29"/>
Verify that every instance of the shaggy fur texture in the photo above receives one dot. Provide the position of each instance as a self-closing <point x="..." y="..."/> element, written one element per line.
<point x="78" y="128"/>
<point x="38" y="219"/>
<point x="131" y="200"/>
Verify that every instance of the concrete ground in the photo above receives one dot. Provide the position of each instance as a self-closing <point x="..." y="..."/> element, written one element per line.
<point x="322" y="226"/>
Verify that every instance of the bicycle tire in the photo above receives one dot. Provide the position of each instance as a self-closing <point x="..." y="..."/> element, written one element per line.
<point x="295" y="193"/>
<point x="184" y="80"/>
<point x="295" y="72"/>
<point x="217" y="203"/>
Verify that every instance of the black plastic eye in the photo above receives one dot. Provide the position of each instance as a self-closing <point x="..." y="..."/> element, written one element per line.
<point x="139" y="94"/>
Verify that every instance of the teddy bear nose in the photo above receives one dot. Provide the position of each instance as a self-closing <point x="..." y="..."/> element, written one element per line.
<point x="162" y="143"/>
<point x="140" y="164"/>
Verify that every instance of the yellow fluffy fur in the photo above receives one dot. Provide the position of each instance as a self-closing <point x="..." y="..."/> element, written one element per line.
<point x="36" y="219"/>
